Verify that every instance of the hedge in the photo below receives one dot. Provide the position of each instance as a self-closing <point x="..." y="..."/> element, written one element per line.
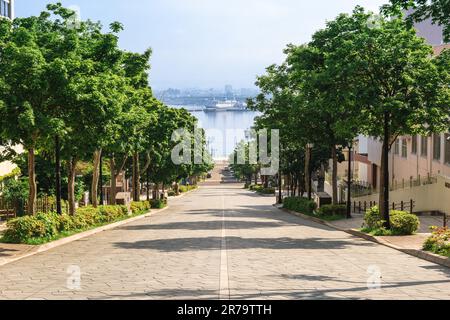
<point x="261" y="189"/>
<point x="45" y="227"/>
<point x="298" y="204"/>
<point x="184" y="189"/>
<point x="333" y="210"/>
<point x="402" y="223"/>
<point x="140" y="206"/>
<point x="158" y="204"/>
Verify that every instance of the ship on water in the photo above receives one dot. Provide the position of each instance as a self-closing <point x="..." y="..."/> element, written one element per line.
<point x="227" y="105"/>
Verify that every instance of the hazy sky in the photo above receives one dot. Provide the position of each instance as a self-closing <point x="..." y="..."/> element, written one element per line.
<point x="209" y="43"/>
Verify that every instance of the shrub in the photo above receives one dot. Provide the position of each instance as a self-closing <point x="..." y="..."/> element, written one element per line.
<point x="183" y="189"/>
<point x="438" y="242"/>
<point x="372" y="218"/>
<point x="23" y="228"/>
<point x="402" y="223"/>
<point x="333" y="210"/>
<point x="86" y="217"/>
<point x="140" y="207"/>
<point x="158" y="203"/>
<point x="66" y="223"/>
<point x="171" y="193"/>
<point x="111" y="213"/>
<point x="299" y="204"/>
<point x="51" y="223"/>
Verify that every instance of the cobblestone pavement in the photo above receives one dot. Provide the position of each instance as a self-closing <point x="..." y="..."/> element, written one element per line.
<point x="223" y="242"/>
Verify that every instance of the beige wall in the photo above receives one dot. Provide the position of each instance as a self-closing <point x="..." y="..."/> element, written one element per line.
<point x="432" y="197"/>
<point x="414" y="164"/>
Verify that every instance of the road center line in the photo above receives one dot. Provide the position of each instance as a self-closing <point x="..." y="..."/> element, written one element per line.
<point x="224" y="289"/>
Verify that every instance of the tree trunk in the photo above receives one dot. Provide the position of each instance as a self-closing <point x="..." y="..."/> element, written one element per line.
<point x="136" y="177"/>
<point x="384" y="186"/>
<point x="100" y="167"/>
<point x="58" y="174"/>
<point x="156" y="191"/>
<point x="307" y="171"/>
<point x="31" y="206"/>
<point x="147" y="183"/>
<point x="71" y="164"/>
<point x="112" y="168"/>
<point x="334" y="183"/>
<point x="95" y="177"/>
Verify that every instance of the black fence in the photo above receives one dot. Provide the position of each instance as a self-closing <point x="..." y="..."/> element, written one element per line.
<point x="363" y="206"/>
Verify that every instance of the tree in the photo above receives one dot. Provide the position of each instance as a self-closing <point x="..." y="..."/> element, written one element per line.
<point x="399" y="89"/>
<point x="27" y="65"/>
<point x="437" y="10"/>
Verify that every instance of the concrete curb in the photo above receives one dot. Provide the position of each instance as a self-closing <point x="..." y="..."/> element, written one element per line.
<point x="428" y="256"/>
<point x="78" y="236"/>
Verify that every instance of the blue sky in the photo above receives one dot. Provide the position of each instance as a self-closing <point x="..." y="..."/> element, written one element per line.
<point x="210" y="43"/>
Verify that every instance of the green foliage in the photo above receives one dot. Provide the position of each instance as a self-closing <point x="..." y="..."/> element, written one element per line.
<point x="333" y="210"/>
<point x="187" y="188"/>
<point x="438" y="242"/>
<point x="140" y="206"/>
<point x="158" y="203"/>
<point x="171" y="193"/>
<point x="437" y="10"/>
<point x="45" y="227"/>
<point x="15" y="190"/>
<point x="298" y="204"/>
<point x="402" y="223"/>
<point x="24" y="228"/>
<point x="262" y="190"/>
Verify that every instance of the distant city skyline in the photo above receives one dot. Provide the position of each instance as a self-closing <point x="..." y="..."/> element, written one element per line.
<point x="209" y="44"/>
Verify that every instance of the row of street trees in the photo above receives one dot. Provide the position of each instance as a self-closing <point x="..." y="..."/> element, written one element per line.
<point x="362" y="74"/>
<point x="67" y="89"/>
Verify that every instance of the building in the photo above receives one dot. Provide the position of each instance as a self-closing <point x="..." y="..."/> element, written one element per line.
<point x="7" y="8"/>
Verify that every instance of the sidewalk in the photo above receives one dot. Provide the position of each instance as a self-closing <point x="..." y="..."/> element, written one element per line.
<point x="411" y="245"/>
<point x="414" y="242"/>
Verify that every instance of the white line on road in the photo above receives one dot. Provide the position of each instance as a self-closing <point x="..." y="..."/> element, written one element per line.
<point x="224" y="288"/>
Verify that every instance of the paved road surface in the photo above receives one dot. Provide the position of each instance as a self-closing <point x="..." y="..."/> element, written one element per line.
<point x="223" y="242"/>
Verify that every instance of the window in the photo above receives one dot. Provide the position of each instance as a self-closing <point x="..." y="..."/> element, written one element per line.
<point x="397" y="147"/>
<point x="4" y="8"/>
<point x="447" y="148"/>
<point x="436" y="146"/>
<point x="414" y="145"/>
<point x="424" y="146"/>
<point x="404" y="148"/>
